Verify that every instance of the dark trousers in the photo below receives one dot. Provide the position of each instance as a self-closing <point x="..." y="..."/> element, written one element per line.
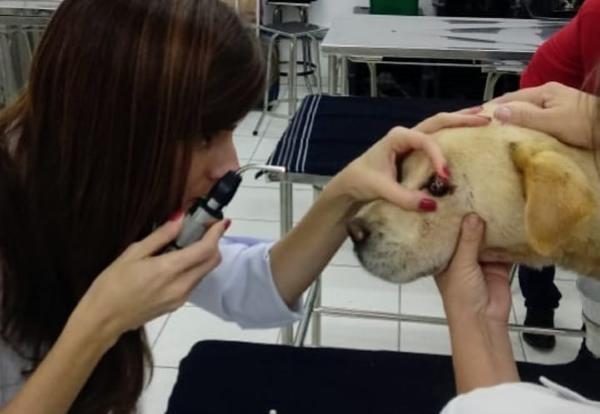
<point x="538" y="288"/>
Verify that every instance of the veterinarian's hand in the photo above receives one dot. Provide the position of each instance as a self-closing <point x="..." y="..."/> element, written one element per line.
<point x="374" y="174"/>
<point x="469" y="288"/>
<point x="140" y="286"/>
<point x="465" y="118"/>
<point x="564" y="112"/>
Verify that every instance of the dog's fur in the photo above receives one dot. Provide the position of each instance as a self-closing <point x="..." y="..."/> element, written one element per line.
<point x="540" y="200"/>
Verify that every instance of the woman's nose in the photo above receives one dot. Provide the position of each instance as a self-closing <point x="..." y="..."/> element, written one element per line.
<point x="224" y="161"/>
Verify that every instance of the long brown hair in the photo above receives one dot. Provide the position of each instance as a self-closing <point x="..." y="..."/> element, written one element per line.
<point x="117" y="87"/>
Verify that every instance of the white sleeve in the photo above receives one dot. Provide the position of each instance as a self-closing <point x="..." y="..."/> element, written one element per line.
<point x="241" y="289"/>
<point x="521" y="397"/>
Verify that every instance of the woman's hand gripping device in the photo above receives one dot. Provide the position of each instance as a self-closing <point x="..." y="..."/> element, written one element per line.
<point x="208" y="210"/>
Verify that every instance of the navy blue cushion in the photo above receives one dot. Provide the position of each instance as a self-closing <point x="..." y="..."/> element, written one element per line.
<point x="328" y="132"/>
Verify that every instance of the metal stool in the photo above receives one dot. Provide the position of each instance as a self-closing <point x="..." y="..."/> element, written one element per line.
<point x="21" y="27"/>
<point x="309" y="35"/>
<point x="301" y="6"/>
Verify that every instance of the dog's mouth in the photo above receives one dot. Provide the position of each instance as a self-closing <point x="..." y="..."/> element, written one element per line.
<point x="388" y="267"/>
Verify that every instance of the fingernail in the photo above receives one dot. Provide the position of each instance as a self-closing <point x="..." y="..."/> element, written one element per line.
<point x="487" y="118"/>
<point x="472" y="221"/>
<point x="475" y="108"/>
<point x="446" y="171"/>
<point x="176" y="215"/>
<point x="503" y="113"/>
<point x="227" y="224"/>
<point x="428" y="205"/>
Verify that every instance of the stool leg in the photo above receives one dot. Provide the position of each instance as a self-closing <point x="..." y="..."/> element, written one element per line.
<point x="303" y="14"/>
<point x="306" y="62"/>
<point x="277" y="15"/>
<point x="268" y="80"/>
<point x="319" y="76"/>
<point x="292" y="76"/>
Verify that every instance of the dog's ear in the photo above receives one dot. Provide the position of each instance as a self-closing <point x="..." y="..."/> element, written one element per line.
<point x="557" y="192"/>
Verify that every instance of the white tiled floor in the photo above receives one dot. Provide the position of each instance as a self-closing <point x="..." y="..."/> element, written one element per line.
<point x="255" y="212"/>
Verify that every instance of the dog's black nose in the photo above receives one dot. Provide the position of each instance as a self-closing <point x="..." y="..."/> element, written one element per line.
<point x="358" y="231"/>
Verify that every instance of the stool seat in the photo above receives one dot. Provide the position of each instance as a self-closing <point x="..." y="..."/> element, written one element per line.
<point x="293" y="29"/>
<point x="294" y="3"/>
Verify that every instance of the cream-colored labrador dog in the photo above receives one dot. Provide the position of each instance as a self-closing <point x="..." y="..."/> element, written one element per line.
<point x="539" y="198"/>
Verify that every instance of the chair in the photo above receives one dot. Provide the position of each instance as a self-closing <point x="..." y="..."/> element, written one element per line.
<point x="17" y="44"/>
<point x="309" y="36"/>
<point x="302" y="6"/>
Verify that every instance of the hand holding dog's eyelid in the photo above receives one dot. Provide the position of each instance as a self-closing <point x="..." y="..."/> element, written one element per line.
<point x="404" y="141"/>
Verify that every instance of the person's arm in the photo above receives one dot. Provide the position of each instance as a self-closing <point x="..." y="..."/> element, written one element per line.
<point x="561" y="111"/>
<point x="557" y="59"/>
<point x="57" y="381"/>
<point x="136" y="288"/>
<point x="589" y="39"/>
<point x="477" y="301"/>
<point x="298" y="259"/>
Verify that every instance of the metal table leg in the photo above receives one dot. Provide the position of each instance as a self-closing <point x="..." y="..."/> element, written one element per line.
<point x="286" y="217"/>
<point x="333" y="74"/>
<point x="490" y="85"/>
<point x="316" y="316"/>
<point x="309" y="306"/>
<point x="344" y="76"/>
<point x="372" y="78"/>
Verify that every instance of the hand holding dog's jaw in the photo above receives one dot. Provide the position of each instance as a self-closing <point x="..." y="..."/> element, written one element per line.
<point x="532" y="216"/>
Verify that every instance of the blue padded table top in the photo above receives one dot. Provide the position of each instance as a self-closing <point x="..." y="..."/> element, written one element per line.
<point x="328" y="132"/>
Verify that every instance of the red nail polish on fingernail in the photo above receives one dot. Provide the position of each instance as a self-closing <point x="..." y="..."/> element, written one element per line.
<point x="176" y="215"/>
<point x="227" y="224"/>
<point x="427" y="204"/>
<point x="446" y="171"/>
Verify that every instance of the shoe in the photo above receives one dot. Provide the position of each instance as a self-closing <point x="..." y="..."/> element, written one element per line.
<point x="543" y="318"/>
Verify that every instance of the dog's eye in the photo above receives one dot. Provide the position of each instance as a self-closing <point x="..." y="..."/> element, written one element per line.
<point x="437" y="186"/>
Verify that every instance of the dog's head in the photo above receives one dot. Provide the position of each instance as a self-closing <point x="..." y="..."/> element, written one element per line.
<point x="521" y="182"/>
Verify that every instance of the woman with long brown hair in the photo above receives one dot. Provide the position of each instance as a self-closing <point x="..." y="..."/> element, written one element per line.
<point x="126" y="120"/>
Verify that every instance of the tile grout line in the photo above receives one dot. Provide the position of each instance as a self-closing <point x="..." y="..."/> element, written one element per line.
<point x="161" y="330"/>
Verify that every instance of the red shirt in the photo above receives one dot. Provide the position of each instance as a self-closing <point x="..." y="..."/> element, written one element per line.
<point x="570" y="54"/>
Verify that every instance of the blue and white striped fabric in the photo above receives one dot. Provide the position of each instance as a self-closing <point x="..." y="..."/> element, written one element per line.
<point x="328" y="132"/>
